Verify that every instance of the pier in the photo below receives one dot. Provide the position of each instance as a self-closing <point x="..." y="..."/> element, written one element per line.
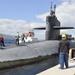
<point x="66" y="71"/>
<point x="56" y="71"/>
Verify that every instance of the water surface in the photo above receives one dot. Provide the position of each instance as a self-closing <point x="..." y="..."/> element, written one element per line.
<point x="32" y="69"/>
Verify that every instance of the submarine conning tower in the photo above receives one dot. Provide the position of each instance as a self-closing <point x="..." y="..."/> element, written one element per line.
<point x="52" y="21"/>
<point x="52" y="26"/>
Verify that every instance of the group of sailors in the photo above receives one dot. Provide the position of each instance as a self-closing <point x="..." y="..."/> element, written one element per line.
<point x="18" y="37"/>
<point x="25" y="37"/>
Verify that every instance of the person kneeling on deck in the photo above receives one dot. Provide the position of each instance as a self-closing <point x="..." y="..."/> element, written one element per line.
<point x="63" y="51"/>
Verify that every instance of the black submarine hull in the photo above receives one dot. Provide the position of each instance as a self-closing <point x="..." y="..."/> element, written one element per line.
<point x="27" y="51"/>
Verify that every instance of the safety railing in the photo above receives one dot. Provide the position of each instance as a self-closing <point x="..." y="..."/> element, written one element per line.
<point x="71" y="53"/>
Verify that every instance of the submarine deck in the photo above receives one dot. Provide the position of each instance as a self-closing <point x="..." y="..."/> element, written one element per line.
<point x="30" y="50"/>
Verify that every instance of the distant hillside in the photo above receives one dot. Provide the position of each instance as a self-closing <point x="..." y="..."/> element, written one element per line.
<point x="8" y="36"/>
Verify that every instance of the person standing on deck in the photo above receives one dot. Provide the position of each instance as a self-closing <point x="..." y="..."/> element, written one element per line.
<point x="17" y="38"/>
<point x="23" y="36"/>
<point x="63" y="51"/>
<point x="2" y="41"/>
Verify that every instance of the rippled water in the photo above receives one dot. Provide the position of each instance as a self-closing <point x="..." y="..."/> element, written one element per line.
<point x="9" y="42"/>
<point x="32" y="69"/>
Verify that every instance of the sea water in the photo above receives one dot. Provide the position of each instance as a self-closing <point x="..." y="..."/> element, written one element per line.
<point x="9" y="41"/>
<point x="32" y="69"/>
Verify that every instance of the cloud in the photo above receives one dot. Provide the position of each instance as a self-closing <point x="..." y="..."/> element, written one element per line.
<point x="66" y="15"/>
<point x="43" y="16"/>
<point x="67" y="0"/>
<point x="40" y="34"/>
<point x="8" y="26"/>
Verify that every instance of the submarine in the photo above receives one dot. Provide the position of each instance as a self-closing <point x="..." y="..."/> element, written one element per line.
<point x="34" y="50"/>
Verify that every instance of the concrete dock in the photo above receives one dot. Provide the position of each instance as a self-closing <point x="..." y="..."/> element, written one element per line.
<point x="56" y="71"/>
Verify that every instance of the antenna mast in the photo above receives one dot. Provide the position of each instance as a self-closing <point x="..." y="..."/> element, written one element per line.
<point x="51" y="9"/>
<point x="54" y="8"/>
<point x="52" y="12"/>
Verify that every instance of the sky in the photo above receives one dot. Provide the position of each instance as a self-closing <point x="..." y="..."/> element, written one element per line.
<point x="24" y="15"/>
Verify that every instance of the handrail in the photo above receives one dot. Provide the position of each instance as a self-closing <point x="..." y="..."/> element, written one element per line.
<point x="70" y="53"/>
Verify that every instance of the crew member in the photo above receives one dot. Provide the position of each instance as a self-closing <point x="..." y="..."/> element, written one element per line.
<point x="23" y="36"/>
<point x="63" y="51"/>
<point x="2" y="41"/>
<point x="17" y="38"/>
